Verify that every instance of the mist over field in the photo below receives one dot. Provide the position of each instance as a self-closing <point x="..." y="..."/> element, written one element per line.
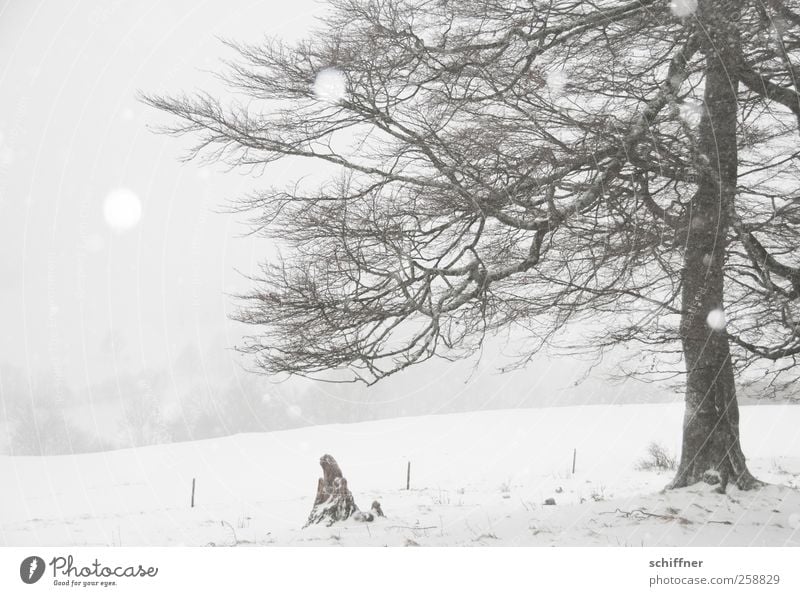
<point x="120" y="266"/>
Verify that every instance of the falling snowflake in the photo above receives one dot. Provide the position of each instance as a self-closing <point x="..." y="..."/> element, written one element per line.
<point x="122" y="209"/>
<point x="683" y="8"/>
<point x="6" y="153"/>
<point x="697" y="223"/>
<point x="93" y="243"/>
<point x="706" y="260"/>
<point x="171" y="410"/>
<point x="557" y="81"/>
<point x="716" y="320"/>
<point x="329" y="85"/>
<point x="294" y="411"/>
<point x="778" y="29"/>
<point x="794" y="521"/>
<point x="676" y="80"/>
<point x="691" y="112"/>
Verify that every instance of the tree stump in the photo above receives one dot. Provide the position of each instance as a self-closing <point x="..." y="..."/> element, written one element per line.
<point x="334" y="501"/>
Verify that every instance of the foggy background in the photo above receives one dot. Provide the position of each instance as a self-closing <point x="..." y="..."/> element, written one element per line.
<point x="118" y="264"/>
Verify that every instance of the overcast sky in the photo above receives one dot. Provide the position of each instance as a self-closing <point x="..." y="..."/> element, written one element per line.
<point x="94" y="288"/>
<point x="81" y="298"/>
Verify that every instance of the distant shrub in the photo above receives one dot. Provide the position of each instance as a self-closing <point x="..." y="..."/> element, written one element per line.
<point x="658" y="458"/>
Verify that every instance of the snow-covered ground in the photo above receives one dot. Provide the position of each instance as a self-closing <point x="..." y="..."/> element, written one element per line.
<point x="476" y="479"/>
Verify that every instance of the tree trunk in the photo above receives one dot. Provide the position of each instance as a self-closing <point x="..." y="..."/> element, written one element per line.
<point x="711" y="448"/>
<point x="334" y="501"/>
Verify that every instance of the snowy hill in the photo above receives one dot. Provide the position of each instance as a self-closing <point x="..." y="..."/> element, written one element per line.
<point x="476" y="479"/>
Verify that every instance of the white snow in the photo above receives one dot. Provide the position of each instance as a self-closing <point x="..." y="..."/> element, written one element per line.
<point x="683" y="8"/>
<point x="329" y="85"/>
<point x="122" y="209"/>
<point x="476" y="479"/>
<point x="716" y="319"/>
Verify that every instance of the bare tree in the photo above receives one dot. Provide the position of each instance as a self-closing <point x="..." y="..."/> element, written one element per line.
<point x="630" y="165"/>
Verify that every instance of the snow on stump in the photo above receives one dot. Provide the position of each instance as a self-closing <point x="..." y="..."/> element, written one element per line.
<point x="334" y="501"/>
